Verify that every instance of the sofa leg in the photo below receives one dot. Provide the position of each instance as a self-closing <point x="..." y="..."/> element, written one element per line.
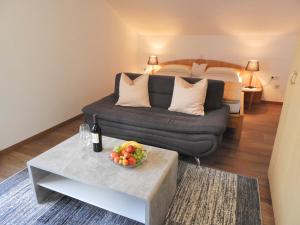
<point x="197" y="160"/>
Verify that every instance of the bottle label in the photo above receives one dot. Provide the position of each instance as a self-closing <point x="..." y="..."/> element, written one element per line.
<point x="95" y="138"/>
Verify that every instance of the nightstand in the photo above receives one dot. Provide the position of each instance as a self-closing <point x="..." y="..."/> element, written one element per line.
<point x="252" y="92"/>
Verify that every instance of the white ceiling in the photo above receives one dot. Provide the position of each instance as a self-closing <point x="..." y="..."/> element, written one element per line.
<point x="194" y="17"/>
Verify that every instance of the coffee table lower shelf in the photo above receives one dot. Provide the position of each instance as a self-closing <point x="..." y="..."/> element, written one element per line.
<point x="104" y="198"/>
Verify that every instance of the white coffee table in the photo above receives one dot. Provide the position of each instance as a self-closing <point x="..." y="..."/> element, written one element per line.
<point x="143" y="194"/>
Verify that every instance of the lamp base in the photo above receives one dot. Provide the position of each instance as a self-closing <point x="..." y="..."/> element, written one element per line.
<point x="250" y="87"/>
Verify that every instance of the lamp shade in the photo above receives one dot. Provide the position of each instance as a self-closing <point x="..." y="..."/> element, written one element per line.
<point x="252" y="65"/>
<point x="153" y="60"/>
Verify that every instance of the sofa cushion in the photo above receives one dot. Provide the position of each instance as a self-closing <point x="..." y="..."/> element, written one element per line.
<point x="189" y="98"/>
<point x="134" y="93"/>
<point x="214" y="122"/>
<point x="161" y="90"/>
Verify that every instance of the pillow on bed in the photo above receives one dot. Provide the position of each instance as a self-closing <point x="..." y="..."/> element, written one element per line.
<point x="175" y="70"/>
<point x="198" y="69"/>
<point x="134" y="93"/>
<point x="221" y="73"/>
<point x="234" y="105"/>
<point x="189" y="98"/>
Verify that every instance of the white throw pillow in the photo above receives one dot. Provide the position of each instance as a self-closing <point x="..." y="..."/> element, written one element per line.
<point x="221" y="73"/>
<point x="134" y="92"/>
<point x="198" y="69"/>
<point x="189" y="98"/>
<point x="175" y="70"/>
<point x="224" y="70"/>
<point x="234" y="106"/>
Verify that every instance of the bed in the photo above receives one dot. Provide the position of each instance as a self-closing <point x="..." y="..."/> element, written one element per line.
<point x="215" y="70"/>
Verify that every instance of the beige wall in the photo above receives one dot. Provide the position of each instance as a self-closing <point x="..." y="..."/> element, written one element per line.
<point x="275" y="53"/>
<point x="284" y="170"/>
<point x="203" y="17"/>
<point x="55" y="57"/>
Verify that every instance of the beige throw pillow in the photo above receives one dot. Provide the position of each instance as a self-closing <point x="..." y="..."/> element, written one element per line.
<point x="198" y="69"/>
<point x="189" y="98"/>
<point x="221" y="73"/>
<point x="134" y="92"/>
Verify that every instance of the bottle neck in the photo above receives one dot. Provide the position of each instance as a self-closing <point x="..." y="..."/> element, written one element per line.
<point x="95" y="119"/>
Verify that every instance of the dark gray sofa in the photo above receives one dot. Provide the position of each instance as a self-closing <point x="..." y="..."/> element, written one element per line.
<point x="196" y="136"/>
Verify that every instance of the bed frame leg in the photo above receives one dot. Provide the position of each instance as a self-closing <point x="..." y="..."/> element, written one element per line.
<point x="197" y="160"/>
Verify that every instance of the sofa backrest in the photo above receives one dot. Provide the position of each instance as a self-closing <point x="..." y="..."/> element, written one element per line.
<point x="161" y="90"/>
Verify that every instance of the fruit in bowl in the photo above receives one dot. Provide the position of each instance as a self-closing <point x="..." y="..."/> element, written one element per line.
<point x="129" y="154"/>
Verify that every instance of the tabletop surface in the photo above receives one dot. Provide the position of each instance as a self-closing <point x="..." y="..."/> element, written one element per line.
<point x="78" y="162"/>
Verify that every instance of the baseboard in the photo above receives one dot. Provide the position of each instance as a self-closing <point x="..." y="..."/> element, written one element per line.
<point x="271" y="102"/>
<point x="34" y="137"/>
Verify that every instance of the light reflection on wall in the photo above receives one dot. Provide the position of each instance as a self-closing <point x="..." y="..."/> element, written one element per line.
<point x="256" y="45"/>
<point x="157" y="45"/>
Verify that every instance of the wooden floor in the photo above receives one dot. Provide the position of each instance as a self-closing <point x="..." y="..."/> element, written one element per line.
<point x="249" y="157"/>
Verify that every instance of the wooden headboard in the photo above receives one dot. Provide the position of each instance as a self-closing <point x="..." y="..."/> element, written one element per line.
<point x="210" y="63"/>
<point x="245" y="75"/>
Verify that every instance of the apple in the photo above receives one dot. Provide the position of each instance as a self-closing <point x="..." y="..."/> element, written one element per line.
<point x="113" y="155"/>
<point x="125" y="162"/>
<point x="127" y="155"/>
<point x="130" y="149"/>
<point x="131" y="161"/>
<point x="116" y="159"/>
<point x="123" y="151"/>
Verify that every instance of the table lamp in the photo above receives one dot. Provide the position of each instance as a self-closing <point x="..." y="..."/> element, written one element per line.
<point x="252" y="66"/>
<point x="152" y="61"/>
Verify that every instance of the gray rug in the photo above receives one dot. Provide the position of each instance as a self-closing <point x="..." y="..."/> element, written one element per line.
<point x="204" y="196"/>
